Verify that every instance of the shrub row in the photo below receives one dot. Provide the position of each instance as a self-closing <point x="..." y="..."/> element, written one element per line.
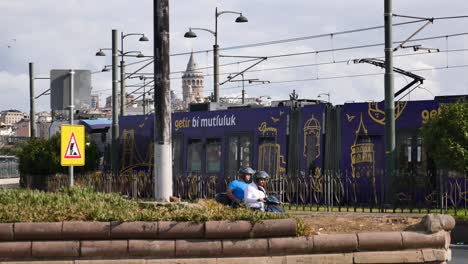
<point x="84" y="204"/>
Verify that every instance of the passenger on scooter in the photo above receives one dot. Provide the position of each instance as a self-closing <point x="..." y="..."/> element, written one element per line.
<point x="236" y="188"/>
<point x="255" y="193"/>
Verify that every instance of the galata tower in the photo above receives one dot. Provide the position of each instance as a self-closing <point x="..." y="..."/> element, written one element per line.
<point x="192" y="83"/>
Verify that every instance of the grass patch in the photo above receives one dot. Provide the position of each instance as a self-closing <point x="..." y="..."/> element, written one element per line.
<point x="84" y="204"/>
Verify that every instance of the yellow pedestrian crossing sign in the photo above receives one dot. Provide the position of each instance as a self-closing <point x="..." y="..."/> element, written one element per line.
<point x="72" y="150"/>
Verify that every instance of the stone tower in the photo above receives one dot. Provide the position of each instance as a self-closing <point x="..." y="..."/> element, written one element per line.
<point x="192" y="83"/>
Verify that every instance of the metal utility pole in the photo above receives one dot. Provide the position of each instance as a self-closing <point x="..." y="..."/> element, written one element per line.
<point x="123" y="93"/>
<point x="144" y="96"/>
<point x="71" y="106"/>
<point x="216" y="60"/>
<point x="216" y="72"/>
<point x="389" y="103"/>
<point x="162" y="103"/>
<point x="115" y="115"/>
<point x="32" y="111"/>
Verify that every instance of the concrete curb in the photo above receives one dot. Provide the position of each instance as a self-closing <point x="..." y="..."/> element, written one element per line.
<point x="369" y="243"/>
<point x="407" y="256"/>
<point x="76" y="230"/>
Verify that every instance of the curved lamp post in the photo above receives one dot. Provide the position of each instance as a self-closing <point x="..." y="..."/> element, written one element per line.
<point x="122" y="67"/>
<point x="122" y="54"/>
<point x="191" y="34"/>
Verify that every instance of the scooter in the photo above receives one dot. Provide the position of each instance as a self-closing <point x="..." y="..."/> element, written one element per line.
<point x="273" y="205"/>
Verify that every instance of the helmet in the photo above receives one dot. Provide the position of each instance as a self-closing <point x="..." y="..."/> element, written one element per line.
<point x="260" y="175"/>
<point x="245" y="170"/>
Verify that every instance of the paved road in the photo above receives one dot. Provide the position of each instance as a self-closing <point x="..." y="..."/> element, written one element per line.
<point x="459" y="255"/>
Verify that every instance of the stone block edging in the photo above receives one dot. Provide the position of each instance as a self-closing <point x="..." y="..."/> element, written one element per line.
<point x="76" y="230"/>
<point x="362" y="245"/>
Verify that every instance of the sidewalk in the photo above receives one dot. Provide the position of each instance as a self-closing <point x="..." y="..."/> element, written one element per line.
<point x="310" y="213"/>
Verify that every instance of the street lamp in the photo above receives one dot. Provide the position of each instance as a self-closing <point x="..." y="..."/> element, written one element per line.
<point x="191" y="34"/>
<point x="139" y="54"/>
<point x="122" y="54"/>
<point x="327" y="94"/>
<point x="122" y="67"/>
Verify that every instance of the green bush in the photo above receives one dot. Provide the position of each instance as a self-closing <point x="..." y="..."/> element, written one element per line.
<point x="42" y="157"/>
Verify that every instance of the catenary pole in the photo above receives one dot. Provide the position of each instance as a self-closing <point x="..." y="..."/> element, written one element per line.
<point x="71" y="106"/>
<point x="216" y="60"/>
<point x="389" y="105"/>
<point x="162" y="122"/>
<point x="123" y="93"/>
<point x="115" y="115"/>
<point x="32" y="114"/>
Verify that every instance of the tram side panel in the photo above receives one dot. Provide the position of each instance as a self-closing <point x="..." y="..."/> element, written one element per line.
<point x="312" y="127"/>
<point x="217" y="143"/>
<point x="363" y="154"/>
<point x="136" y="143"/>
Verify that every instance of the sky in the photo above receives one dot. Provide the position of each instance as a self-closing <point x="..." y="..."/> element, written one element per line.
<point x="66" y="34"/>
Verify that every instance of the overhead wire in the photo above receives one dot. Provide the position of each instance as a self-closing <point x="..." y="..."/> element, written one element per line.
<point x="273" y="42"/>
<point x="326" y="63"/>
<point x="343" y="76"/>
<point x="335" y="62"/>
<point x="306" y="38"/>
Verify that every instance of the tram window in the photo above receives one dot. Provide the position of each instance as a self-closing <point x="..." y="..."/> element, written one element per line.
<point x="245" y="151"/>
<point x="194" y="155"/>
<point x="177" y="154"/>
<point x="268" y="155"/>
<point x="232" y="160"/>
<point x="409" y="154"/>
<point x="213" y="155"/>
<point x="239" y="153"/>
<point x="419" y="150"/>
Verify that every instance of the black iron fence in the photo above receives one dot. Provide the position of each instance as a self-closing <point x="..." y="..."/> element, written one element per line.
<point x="9" y="167"/>
<point x="358" y="191"/>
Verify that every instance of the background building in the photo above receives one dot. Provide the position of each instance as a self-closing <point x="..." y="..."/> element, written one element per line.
<point x="10" y="117"/>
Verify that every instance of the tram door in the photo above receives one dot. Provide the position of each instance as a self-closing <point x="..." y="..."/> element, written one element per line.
<point x="239" y="149"/>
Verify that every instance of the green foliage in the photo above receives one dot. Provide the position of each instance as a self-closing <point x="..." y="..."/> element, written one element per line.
<point x="446" y="136"/>
<point x="42" y="157"/>
<point x="84" y="204"/>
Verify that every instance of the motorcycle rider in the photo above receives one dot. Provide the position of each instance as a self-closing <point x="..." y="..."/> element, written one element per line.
<point x="235" y="190"/>
<point x="255" y="193"/>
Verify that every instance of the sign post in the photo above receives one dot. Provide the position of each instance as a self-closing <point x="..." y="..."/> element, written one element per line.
<point x="72" y="149"/>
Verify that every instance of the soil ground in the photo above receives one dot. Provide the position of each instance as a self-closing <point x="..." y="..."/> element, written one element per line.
<point x="332" y="223"/>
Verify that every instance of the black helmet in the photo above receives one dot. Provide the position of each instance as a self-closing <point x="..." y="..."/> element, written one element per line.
<point x="260" y="175"/>
<point x="245" y="170"/>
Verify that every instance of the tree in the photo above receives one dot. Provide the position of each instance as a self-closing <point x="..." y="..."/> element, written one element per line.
<point x="446" y="136"/>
